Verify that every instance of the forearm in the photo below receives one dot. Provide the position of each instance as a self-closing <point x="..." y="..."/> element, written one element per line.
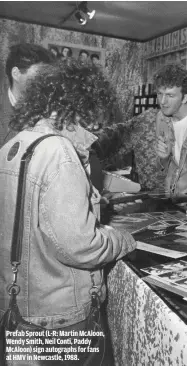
<point x="72" y="228"/>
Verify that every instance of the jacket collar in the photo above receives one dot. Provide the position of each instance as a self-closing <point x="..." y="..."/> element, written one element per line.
<point x="78" y="136"/>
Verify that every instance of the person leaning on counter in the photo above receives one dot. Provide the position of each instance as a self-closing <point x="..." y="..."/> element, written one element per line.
<point x="62" y="235"/>
<point x="171" y="128"/>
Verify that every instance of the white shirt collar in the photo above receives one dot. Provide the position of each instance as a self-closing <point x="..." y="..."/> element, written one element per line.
<point x="12" y="98"/>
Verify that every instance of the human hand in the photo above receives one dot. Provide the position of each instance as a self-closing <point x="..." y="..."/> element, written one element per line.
<point x="104" y="201"/>
<point x="163" y="149"/>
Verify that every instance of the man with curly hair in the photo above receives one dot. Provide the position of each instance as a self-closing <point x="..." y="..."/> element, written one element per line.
<point x="67" y="245"/>
<point x="171" y="85"/>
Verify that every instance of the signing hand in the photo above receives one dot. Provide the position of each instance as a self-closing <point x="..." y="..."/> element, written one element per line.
<point x="163" y="149"/>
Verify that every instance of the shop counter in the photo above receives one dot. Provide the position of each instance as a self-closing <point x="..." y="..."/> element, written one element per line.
<point x="145" y="330"/>
<point x="148" y="325"/>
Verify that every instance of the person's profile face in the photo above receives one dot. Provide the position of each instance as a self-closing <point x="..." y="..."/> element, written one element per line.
<point x="170" y="100"/>
<point x="54" y="52"/>
<point x="21" y="78"/>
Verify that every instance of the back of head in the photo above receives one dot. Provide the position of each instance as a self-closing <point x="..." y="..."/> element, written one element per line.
<point x="25" y="55"/>
<point x="70" y="89"/>
<point x="171" y="75"/>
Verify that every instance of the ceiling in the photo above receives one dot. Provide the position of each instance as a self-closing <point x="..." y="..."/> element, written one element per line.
<point x="133" y="20"/>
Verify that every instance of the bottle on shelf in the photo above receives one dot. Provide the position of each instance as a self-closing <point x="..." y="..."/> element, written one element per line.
<point x="134" y="174"/>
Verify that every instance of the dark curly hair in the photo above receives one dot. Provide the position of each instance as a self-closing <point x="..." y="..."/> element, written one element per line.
<point x="71" y="90"/>
<point x="171" y="75"/>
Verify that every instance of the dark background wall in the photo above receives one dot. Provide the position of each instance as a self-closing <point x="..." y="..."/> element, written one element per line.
<point x="123" y="61"/>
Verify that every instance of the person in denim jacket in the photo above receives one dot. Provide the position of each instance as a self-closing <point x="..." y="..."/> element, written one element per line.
<point x="21" y="65"/>
<point x="65" y="246"/>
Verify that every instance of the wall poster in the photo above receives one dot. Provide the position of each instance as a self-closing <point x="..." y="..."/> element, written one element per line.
<point x="84" y="53"/>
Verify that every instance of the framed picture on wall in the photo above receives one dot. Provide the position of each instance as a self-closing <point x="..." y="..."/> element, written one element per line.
<point x="84" y="53"/>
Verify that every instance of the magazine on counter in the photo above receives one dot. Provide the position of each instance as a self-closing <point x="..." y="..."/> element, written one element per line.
<point x="170" y="276"/>
<point x="162" y="233"/>
<point x="167" y="236"/>
<point x="124" y="197"/>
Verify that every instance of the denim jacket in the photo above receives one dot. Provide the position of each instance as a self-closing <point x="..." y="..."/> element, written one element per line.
<point x="62" y="240"/>
<point x="82" y="141"/>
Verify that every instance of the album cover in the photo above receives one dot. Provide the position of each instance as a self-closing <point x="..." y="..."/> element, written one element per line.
<point x="166" y="236"/>
<point x="132" y="222"/>
<point x="170" y="276"/>
<point x="164" y="268"/>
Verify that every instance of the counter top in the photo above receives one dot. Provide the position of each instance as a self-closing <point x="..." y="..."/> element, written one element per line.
<point x="140" y="259"/>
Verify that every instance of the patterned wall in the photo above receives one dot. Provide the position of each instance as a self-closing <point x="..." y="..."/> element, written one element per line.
<point x="123" y="62"/>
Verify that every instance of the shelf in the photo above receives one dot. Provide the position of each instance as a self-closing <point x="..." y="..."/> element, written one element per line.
<point x="144" y="102"/>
